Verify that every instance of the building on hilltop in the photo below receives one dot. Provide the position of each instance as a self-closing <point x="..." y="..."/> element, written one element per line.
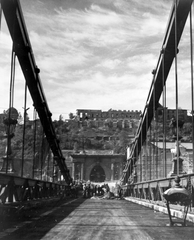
<point x="85" y="114"/>
<point x="182" y="114"/>
<point x="171" y="113"/>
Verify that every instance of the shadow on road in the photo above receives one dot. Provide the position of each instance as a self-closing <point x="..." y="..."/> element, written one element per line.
<point x="34" y="222"/>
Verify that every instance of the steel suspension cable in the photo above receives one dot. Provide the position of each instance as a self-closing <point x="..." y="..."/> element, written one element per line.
<point x="176" y="88"/>
<point x="24" y="129"/>
<point x="141" y="159"/>
<point x="128" y="169"/>
<point x="146" y="143"/>
<point x="192" y="96"/>
<point x="150" y="130"/>
<point x="11" y="100"/>
<point x="164" y="115"/>
<point x="12" y="79"/>
<point x="48" y="166"/>
<point x="154" y="123"/>
<point x="156" y="140"/>
<point x="136" y="162"/>
<point x="11" y="90"/>
<point x="53" y="171"/>
<point x="13" y="57"/>
<point x="34" y="142"/>
<point x="41" y="154"/>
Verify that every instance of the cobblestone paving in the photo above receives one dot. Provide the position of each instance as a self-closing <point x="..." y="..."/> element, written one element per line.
<point x="92" y="219"/>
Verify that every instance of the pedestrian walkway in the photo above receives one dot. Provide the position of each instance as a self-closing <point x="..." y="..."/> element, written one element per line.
<point x="95" y="219"/>
<point x="176" y="211"/>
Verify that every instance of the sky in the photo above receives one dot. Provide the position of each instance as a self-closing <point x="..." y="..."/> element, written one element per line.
<point x="94" y="54"/>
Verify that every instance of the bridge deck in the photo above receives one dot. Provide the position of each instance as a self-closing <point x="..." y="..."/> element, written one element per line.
<point x="92" y="219"/>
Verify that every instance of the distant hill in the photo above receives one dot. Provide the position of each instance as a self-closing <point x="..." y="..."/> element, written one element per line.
<point x="100" y="135"/>
<point x="77" y="135"/>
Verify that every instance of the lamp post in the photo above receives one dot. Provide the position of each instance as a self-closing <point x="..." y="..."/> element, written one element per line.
<point x="177" y="195"/>
<point x="10" y="123"/>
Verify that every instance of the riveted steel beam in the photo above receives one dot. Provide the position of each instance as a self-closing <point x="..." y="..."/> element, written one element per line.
<point x="22" y="47"/>
<point x="166" y="57"/>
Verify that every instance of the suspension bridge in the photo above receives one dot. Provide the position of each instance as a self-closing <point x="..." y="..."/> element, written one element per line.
<point x="156" y="189"/>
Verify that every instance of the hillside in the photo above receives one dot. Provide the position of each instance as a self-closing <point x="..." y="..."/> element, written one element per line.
<point x="81" y="135"/>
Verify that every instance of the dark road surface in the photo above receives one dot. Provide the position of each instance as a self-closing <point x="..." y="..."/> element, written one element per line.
<point x="92" y="219"/>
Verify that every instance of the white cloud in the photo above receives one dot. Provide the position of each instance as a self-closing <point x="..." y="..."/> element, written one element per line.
<point x="99" y="16"/>
<point x="111" y="64"/>
<point x="94" y="54"/>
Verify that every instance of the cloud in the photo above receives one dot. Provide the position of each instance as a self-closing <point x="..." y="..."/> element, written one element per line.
<point x="94" y="53"/>
<point x="110" y="64"/>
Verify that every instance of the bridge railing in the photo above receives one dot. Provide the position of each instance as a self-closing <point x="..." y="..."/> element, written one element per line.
<point x="15" y="189"/>
<point x="153" y="190"/>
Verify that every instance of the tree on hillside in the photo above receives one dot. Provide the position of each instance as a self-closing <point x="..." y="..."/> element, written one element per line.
<point x="20" y="119"/>
<point x="32" y="136"/>
<point x="60" y="118"/>
<point x="71" y="116"/>
<point x="121" y="144"/>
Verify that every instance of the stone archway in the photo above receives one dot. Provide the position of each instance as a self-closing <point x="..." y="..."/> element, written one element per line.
<point x="97" y="174"/>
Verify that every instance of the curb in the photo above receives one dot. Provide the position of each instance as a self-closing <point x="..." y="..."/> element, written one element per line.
<point x="174" y="213"/>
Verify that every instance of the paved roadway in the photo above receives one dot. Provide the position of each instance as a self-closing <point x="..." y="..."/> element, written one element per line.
<point x="91" y="219"/>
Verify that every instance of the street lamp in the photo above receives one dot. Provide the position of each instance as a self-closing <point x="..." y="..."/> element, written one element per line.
<point x="10" y="123"/>
<point x="177" y="195"/>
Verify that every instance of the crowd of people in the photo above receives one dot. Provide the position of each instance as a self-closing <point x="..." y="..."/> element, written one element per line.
<point x="93" y="190"/>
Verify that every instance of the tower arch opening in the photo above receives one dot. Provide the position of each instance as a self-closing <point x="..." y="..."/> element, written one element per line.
<point x="97" y="174"/>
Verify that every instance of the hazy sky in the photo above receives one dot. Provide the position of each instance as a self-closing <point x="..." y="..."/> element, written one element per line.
<point x="94" y="54"/>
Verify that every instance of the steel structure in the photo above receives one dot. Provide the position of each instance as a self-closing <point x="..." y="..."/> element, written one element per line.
<point x="17" y="189"/>
<point x="160" y="74"/>
<point x="23" y="50"/>
<point x="23" y="189"/>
